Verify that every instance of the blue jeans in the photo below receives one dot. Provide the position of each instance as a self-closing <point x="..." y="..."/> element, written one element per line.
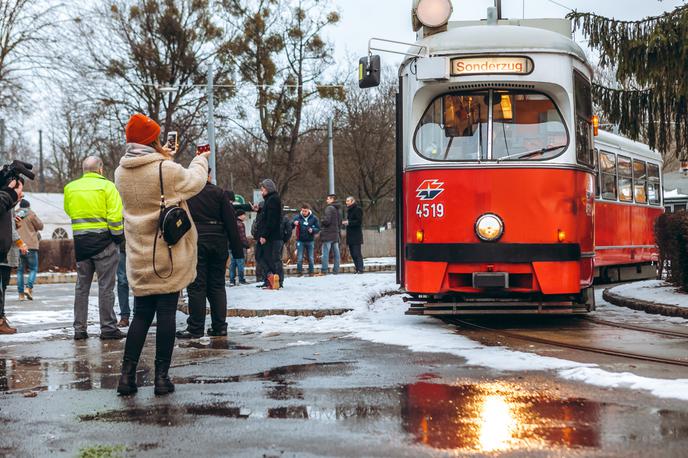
<point x="310" y="248"/>
<point x="326" y="256"/>
<point x="28" y="261"/>
<point x="234" y="266"/>
<point x="123" y="286"/>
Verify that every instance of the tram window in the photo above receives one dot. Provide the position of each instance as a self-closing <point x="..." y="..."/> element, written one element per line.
<point x="583" y="98"/>
<point x="608" y="175"/>
<point x="653" y="184"/>
<point x="640" y="181"/>
<point x="625" y="179"/>
<point x="454" y="128"/>
<point x="526" y="126"/>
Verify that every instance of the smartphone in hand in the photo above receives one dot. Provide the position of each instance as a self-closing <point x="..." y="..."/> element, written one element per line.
<point x="172" y="141"/>
<point x="202" y="148"/>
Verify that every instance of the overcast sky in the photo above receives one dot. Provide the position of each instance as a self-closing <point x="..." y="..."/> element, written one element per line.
<point x="391" y="19"/>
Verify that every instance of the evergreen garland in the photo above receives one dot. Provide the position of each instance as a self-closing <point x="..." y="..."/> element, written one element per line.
<point x="652" y="55"/>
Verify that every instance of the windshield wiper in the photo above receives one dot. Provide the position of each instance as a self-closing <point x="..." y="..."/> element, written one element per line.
<point x="531" y="153"/>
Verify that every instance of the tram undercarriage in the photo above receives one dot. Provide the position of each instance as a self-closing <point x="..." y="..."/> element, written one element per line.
<point x="531" y="304"/>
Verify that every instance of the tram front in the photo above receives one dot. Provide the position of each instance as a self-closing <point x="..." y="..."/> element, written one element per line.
<point x="495" y="170"/>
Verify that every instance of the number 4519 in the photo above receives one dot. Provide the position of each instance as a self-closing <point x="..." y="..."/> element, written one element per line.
<point x="430" y="210"/>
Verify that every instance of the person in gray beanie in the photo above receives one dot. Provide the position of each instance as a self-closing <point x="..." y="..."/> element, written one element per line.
<point x="270" y="232"/>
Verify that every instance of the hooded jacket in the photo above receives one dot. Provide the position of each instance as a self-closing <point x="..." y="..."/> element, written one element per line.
<point x="305" y="223"/>
<point x="137" y="179"/>
<point x="28" y="229"/>
<point x="331" y="223"/>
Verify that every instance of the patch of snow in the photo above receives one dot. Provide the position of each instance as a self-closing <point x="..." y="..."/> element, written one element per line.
<point x="673" y="194"/>
<point x="656" y="291"/>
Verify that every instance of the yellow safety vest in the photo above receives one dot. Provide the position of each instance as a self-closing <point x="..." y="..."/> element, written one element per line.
<point x="94" y="205"/>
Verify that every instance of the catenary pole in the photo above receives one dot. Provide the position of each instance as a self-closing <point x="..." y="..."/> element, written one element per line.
<point x="330" y="156"/>
<point x="41" y="176"/>
<point x="211" y="124"/>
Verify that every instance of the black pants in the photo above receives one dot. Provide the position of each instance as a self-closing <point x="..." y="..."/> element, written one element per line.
<point x="210" y="285"/>
<point x="145" y="308"/>
<point x="4" y="283"/>
<point x="260" y="262"/>
<point x="272" y="255"/>
<point x="357" y="256"/>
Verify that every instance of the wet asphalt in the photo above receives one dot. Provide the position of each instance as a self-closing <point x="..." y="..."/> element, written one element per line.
<point x="314" y="395"/>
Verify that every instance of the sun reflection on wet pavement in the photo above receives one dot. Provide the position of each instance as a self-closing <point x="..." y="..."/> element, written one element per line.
<point x="495" y="417"/>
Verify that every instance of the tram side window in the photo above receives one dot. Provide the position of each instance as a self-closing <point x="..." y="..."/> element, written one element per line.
<point x="625" y="179"/>
<point x="640" y="181"/>
<point x="608" y="175"/>
<point x="653" y="184"/>
<point x="583" y="96"/>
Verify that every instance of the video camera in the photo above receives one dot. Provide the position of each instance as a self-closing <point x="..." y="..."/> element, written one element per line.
<point x="14" y="171"/>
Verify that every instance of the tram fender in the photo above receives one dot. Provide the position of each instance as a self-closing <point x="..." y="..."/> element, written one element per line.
<point x="558" y="277"/>
<point x="425" y="277"/>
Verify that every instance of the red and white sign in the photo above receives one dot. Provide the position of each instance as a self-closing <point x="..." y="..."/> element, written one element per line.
<point x="429" y="189"/>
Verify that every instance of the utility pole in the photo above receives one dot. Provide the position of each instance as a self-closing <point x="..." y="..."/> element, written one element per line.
<point x="498" y="5"/>
<point x="330" y="156"/>
<point x="211" y="124"/>
<point x="41" y="176"/>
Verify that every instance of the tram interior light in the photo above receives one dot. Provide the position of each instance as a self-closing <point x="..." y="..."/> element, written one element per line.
<point x="596" y="125"/>
<point x="431" y="13"/>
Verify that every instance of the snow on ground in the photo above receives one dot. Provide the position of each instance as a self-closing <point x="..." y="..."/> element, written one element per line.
<point x="383" y="321"/>
<point x="610" y="312"/>
<point x="656" y="291"/>
<point x="341" y="291"/>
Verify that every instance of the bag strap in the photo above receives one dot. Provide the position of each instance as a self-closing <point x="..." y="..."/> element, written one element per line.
<point x="158" y="233"/>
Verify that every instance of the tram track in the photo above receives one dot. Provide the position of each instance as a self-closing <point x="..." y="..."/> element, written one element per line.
<point x="633" y="327"/>
<point x="591" y="349"/>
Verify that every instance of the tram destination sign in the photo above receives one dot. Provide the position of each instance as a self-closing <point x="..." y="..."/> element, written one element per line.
<point x="506" y="65"/>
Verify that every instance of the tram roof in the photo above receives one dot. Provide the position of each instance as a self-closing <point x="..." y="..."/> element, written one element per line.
<point x="627" y="145"/>
<point x="479" y="39"/>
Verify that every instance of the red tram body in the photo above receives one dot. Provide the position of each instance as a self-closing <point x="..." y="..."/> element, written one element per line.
<point x="508" y="199"/>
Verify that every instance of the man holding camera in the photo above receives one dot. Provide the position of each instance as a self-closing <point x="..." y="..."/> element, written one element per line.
<point x="95" y="208"/>
<point x="9" y="196"/>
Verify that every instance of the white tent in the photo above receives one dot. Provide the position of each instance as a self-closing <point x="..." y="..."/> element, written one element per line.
<point x="50" y="209"/>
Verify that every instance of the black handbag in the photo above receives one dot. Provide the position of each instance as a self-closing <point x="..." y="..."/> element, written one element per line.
<point x="173" y="224"/>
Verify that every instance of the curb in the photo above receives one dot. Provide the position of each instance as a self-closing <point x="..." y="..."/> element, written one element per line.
<point x="645" y="306"/>
<point x="250" y="313"/>
<point x="290" y="271"/>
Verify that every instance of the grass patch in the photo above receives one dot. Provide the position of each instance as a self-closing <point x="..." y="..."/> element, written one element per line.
<point x="102" y="451"/>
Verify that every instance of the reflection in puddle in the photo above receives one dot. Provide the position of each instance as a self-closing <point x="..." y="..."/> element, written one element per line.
<point x="496" y="417"/>
<point x="166" y="415"/>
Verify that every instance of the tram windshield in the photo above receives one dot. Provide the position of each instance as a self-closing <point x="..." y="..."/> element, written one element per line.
<point x="498" y="125"/>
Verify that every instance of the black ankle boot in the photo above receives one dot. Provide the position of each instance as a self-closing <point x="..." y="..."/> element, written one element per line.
<point x="163" y="384"/>
<point x="127" y="381"/>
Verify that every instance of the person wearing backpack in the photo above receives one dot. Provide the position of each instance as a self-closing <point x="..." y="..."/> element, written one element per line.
<point x="157" y="270"/>
<point x="271" y="234"/>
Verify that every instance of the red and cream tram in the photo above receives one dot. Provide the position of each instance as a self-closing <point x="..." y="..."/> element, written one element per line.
<point x="497" y="172"/>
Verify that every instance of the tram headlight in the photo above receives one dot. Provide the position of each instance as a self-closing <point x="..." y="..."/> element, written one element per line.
<point x="489" y="227"/>
<point x="433" y="13"/>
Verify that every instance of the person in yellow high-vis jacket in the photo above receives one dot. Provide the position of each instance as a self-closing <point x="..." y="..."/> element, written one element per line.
<point x="95" y="208"/>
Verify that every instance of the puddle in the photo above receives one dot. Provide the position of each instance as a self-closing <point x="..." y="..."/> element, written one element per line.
<point x="496" y="417"/>
<point x="166" y="415"/>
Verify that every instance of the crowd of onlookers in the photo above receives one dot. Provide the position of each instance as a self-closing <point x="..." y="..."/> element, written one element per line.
<point x="161" y="228"/>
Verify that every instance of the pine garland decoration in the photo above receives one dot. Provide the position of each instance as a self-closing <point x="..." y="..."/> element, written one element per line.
<point x="651" y="55"/>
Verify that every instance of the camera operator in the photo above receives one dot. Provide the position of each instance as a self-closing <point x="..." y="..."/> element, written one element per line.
<point x="9" y="196"/>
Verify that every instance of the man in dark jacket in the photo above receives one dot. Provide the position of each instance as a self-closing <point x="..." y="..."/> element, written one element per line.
<point x="9" y="196"/>
<point x="354" y="232"/>
<point x="216" y="223"/>
<point x="329" y="234"/>
<point x="307" y="225"/>
<point x="270" y="233"/>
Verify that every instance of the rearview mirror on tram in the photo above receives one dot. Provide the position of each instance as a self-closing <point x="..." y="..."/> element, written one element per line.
<point x="369" y="72"/>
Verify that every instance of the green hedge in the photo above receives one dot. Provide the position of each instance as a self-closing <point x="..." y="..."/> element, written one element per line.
<point x="671" y="233"/>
